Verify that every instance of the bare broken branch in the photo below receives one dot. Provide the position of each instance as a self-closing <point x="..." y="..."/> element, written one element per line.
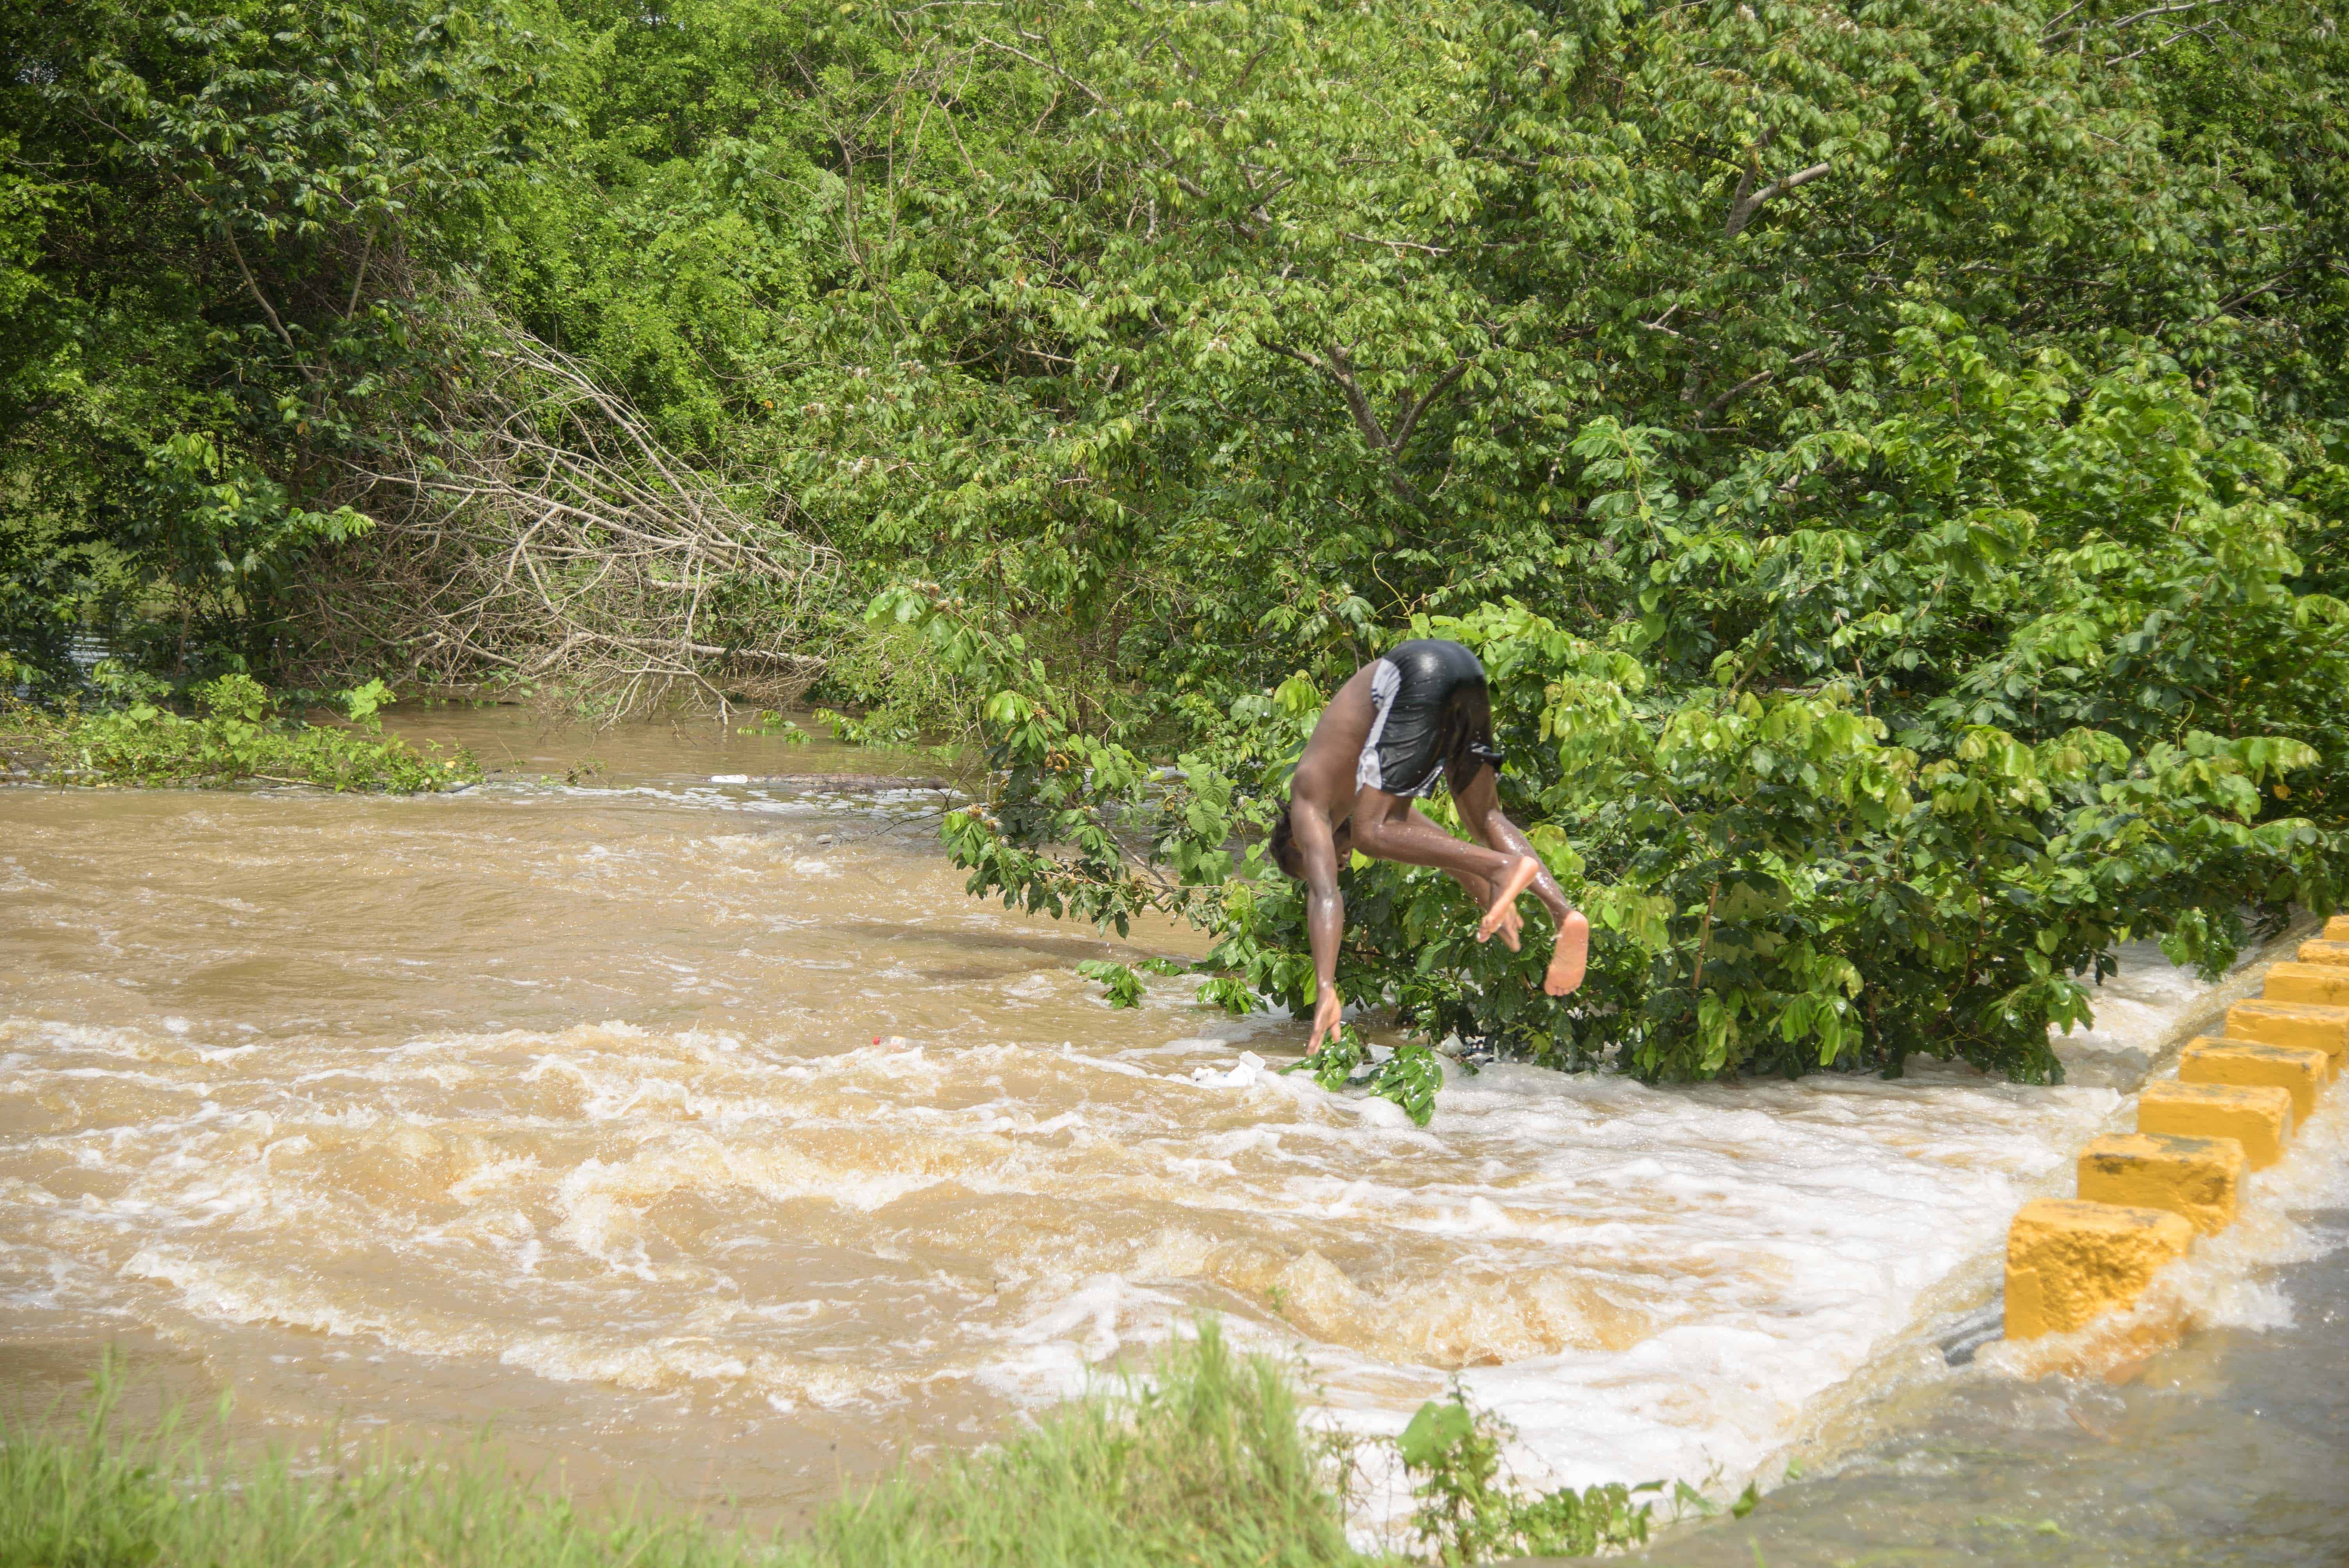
<point x="533" y="526"/>
<point x="1749" y="200"/>
<point x="1758" y="378"/>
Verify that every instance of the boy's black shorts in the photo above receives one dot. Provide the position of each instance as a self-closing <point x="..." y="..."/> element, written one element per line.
<point x="1430" y="717"/>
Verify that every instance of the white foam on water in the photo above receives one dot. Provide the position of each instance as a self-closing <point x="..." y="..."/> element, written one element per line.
<point x="1711" y="1259"/>
<point x="1646" y="1283"/>
<point x="1725" y="1256"/>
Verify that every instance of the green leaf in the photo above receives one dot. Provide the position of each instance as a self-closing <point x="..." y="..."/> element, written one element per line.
<point x="1433" y="1432"/>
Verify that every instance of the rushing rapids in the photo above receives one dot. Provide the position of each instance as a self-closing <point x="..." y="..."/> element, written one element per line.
<point x="704" y="1132"/>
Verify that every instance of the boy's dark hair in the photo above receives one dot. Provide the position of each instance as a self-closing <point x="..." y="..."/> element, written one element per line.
<point x="1284" y="845"/>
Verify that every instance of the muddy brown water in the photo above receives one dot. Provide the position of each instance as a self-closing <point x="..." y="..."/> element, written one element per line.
<point x="690" y="1124"/>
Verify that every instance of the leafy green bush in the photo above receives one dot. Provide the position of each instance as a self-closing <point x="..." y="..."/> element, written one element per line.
<point x="1893" y="459"/>
<point x="1333" y="1064"/>
<point x="236" y="736"/>
<point x="1905" y="728"/>
<point x="1409" y="1077"/>
<point x="214" y="227"/>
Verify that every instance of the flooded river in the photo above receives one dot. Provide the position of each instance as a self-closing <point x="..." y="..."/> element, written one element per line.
<point x="701" y="1132"/>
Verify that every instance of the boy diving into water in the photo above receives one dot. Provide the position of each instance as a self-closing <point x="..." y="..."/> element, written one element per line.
<point x="1398" y="725"/>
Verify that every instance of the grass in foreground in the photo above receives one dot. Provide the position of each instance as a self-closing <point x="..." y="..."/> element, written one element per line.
<point x="1204" y="1464"/>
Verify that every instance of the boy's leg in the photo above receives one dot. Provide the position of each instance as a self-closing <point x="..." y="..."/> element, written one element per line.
<point x="1479" y="891"/>
<point x="1386" y="828"/>
<point x="1479" y="800"/>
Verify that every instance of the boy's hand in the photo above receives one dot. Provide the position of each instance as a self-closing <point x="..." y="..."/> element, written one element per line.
<point x="1327" y="1012"/>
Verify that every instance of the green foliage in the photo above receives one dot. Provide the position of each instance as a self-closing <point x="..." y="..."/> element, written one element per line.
<point x="1468" y="1512"/>
<point x="1124" y="981"/>
<point x="1125" y="986"/>
<point x="1203" y="1462"/>
<point x="770" y="722"/>
<point x="1968" y="732"/>
<point x="1332" y="1064"/>
<point x="1196" y="344"/>
<point x="1410" y="1078"/>
<point x="1890" y="464"/>
<point x="213" y="225"/>
<point x="221" y="527"/>
<point x="1894" y="459"/>
<point x="234" y="737"/>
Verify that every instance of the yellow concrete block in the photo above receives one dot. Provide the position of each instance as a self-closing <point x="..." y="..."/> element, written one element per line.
<point x="2324" y="1029"/>
<point x="2257" y="1116"/>
<point x="2325" y="952"/>
<point x="2325" y="985"/>
<point x="2197" y="1179"/>
<point x="2067" y="1261"/>
<point x="2337" y="928"/>
<point x="2293" y="1067"/>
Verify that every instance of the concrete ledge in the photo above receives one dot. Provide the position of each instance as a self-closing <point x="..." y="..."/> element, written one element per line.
<point x="2144" y="1196"/>
<point x="2293" y="1067"/>
<point x="2325" y="985"/>
<point x="2257" y="1116"/>
<point x="2291" y="1024"/>
<point x="2197" y="1179"/>
<point x="2067" y="1261"/>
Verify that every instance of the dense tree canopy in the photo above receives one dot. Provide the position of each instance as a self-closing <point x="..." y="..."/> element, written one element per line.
<point x="1888" y="454"/>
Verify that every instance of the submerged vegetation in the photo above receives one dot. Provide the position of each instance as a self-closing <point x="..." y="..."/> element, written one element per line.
<point x="1889" y="455"/>
<point x="1204" y="1463"/>
<point x="234" y="735"/>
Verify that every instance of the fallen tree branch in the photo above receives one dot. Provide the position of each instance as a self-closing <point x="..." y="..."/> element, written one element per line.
<point x="531" y="527"/>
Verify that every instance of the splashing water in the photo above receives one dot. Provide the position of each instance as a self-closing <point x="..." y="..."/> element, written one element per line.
<point x="709" y="1134"/>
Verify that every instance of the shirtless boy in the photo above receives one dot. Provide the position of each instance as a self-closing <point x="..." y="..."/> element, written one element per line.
<point x="1401" y="725"/>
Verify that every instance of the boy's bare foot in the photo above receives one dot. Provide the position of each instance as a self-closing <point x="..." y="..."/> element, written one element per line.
<point x="1515" y="881"/>
<point x="1569" y="958"/>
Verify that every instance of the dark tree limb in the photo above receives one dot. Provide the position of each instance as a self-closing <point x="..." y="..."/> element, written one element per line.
<point x="1338" y="365"/>
<point x="1756" y="380"/>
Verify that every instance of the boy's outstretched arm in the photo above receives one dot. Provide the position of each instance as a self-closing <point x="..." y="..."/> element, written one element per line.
<point x="1325" y="910"/>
